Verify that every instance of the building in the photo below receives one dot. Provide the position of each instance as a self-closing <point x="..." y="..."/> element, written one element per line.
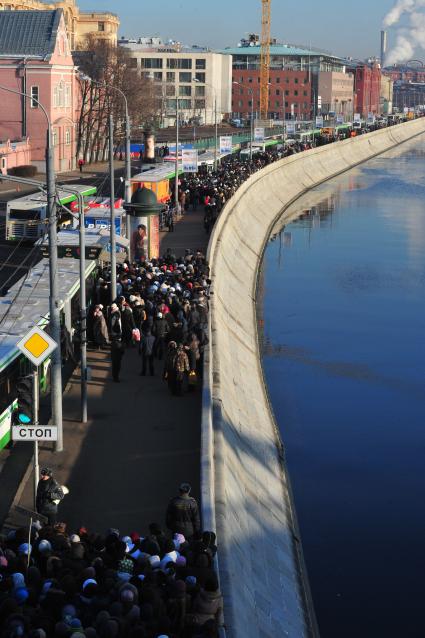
<point x="408" y="95"/>
<point x="294" y="77"/>
<point x="367" y="87"/>
<point x="387" y="92"/>
<point x="197" y="77"/>
<point x="35" y="58"/>
<point x="79" y="24"/>
<point x="405" y="73"/>
<point x="336" y="90"/>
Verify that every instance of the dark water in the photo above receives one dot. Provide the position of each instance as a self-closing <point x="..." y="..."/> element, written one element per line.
<point x="343" y="303"/>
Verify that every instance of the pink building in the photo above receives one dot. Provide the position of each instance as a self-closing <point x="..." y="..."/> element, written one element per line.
<point x="14" y="154"/>
<point x="35" y="58"/>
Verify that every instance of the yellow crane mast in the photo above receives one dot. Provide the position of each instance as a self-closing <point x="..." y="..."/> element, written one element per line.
<point x="265" y="58"/>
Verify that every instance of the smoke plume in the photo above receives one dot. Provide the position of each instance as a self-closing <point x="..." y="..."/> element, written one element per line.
<point x="409" y="36"/>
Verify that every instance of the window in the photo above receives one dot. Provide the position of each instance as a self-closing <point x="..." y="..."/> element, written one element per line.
<point x="35" y="92"/>
<point x="3" y="163"/>
<point x="200" y="91"/>
<point x="286" y="92"/>
<point x="171" y="76"/>
<point x="185" y="77"/>
<point x="132" y="63"/>
<point x="277" y="92"/>
<point x="171" y="105"/>
<point x="296" y="80"/>
<point x="200" y="77"/>
<point x="199" y="104"/>
<point x="185" y="90"/>
<point x="157" y="76"/>
<point x="249" y="102"/>
<point x="258" y="80"/>
<point x="101" y="26"/>
<point x="54" y="137"/>
<point x="241" y="79"/>
<point x="67" y="137"/>
<point x="185" y="104"/>
<point x="61" y="94"/>
<point x="287" y="80"/>
<point x="170" y="90"/>
<point x="151" y="63"/>
<point x="305" y="93"/>
<point x="68" y="95"/>
<point x="286" y="105"/>
<point x="179" y="63"/>
<point x="277" y="80"/>
<point x="240" y="103"/>
<point x="295" y="93"/>
<point x="201" y="64"/>
<point x="241" y="91"/>
<point x="276" y="103"/>
<point x="250" y="80"/>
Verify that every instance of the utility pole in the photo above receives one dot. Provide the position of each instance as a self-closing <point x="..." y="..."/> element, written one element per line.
<point x="83" y="312"/>
<point x="35" y="408"/>
<point x="112" y="209"/>
<point x="55" y="327"/>
<point x="176" y="181"/>
<point x="216" y="132"/>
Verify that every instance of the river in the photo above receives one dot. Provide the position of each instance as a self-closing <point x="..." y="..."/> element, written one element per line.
<point x="342" y="324"/>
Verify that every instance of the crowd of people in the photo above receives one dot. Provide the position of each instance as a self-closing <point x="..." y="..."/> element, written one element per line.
<point x="161" y="308"/>
<point x="55" y="583"/>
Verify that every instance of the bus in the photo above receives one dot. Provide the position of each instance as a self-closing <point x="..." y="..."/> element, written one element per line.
<point x="27" y="305"/>
<point x="26" y="217"/>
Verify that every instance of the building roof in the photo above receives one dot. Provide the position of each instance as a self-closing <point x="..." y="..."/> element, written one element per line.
<point x="278" y="49"/>
<point x="28" y="33"/>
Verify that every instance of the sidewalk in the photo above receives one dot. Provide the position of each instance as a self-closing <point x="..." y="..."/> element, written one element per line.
<point x="140" y="442"/>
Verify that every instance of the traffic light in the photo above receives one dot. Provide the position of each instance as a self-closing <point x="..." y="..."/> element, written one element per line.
<point x="24" y="390"/>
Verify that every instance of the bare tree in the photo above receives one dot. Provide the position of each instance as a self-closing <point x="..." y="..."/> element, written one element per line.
<point x="110" y="65"/>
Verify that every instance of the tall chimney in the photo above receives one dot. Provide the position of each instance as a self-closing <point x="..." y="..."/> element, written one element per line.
<point x="383" y="47"/>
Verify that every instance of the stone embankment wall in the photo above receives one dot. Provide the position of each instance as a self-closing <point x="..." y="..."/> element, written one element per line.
<point x="246" y="493"/>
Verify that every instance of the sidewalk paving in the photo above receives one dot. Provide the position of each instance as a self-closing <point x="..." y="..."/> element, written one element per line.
<point x="140" y="442"/>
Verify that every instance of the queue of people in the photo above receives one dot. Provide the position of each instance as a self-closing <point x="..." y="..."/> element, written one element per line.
<point x="162" y="309"/>
<point x="57" y="583"/>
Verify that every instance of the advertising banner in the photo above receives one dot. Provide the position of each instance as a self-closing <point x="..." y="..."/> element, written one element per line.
<point x="319" y="121"/>
<point x="370" y="118"/>
<point x="259" y="134"/>
<point x="290" y="128"/>
<point x="190" y="160"/>
<point x="225" y="144"/>
<point x="357" y="117"/>
<point x="340" y="119"/>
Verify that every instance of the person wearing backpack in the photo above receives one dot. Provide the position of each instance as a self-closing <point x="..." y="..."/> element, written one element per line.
<point x="49" y="495"/>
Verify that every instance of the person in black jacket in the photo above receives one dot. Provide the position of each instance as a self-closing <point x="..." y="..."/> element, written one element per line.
<point x="49" y="494"/>
<point x="183" y="513"/>
<point x="147" y="346"/>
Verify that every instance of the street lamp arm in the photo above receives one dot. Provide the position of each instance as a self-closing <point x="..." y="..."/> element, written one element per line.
<point x="33" y="99"/>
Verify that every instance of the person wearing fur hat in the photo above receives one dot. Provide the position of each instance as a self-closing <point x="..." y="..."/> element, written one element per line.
<point x="49" y="495"/>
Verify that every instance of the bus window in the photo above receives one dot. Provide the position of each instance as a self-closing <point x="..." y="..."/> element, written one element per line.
<point x="24" y="214"/>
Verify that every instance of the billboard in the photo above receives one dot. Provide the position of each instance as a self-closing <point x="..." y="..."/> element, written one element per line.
<point x="340" y="119"/>
<point x="225" y="144"/>
<point x="259" y="134"/>
<point x="357" y="117"/>
<point x="190" y="160"/>
<point x="319" y="121"/>
<point x="290" y="128"/>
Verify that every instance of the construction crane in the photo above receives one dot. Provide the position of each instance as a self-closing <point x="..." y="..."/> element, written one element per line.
<point x="265" y="58"/>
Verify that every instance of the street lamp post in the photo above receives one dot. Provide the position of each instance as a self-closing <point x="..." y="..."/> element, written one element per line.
<point x="54" y="312"/>
<point x="127" y="170"/>
<point x="176" y="180"/>
<point x="251" y="127"/>
<point x="215" y="120"/>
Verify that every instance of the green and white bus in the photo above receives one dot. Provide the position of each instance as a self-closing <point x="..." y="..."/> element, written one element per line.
<point x="27" y="305"/>
<point x="26" y="217"/>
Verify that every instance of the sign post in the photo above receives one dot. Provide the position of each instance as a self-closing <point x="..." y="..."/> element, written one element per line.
<point x="36" y="346"/>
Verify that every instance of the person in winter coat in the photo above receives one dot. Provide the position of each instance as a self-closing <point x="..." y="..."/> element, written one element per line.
<point x="169" y="374"/>
<point x="100" y="329"/>
<point x="115" y="322"/>
<point x="181" y="368"/>
<point x="183" y="513"/>
<point x="127" y="320"/>
<point x="208" y="605"/>
<point x="49" y="494"/>
<point x="147" y="345"/>
<point x="160" y="331"/>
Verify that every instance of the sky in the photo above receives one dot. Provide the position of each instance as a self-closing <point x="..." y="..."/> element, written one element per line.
<point x="346" y="29"/>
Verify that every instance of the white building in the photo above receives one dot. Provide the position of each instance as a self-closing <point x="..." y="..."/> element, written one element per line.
<point x="196" y="76"/>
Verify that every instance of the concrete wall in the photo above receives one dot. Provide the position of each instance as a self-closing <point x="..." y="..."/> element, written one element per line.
<point x="245" y="486"/>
